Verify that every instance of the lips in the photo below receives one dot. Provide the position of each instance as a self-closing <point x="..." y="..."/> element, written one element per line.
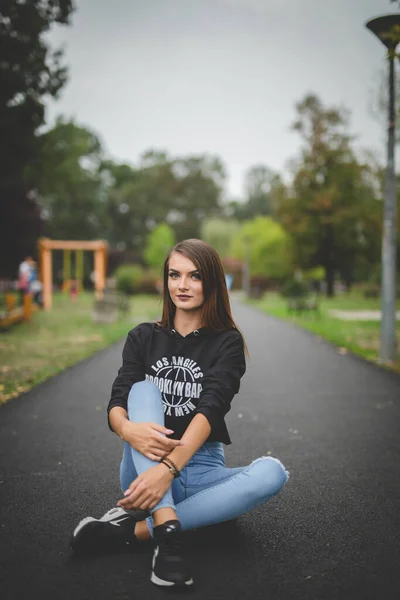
<point x="184" y="297"/>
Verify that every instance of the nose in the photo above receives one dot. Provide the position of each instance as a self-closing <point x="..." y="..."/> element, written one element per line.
<point x="182" y="284"/>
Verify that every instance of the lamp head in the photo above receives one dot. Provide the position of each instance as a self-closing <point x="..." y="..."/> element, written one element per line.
<point x="387" y="29"/>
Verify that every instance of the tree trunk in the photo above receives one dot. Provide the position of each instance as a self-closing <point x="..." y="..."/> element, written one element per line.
<point x="330" y="281"/>
<point x="330" y="261"/>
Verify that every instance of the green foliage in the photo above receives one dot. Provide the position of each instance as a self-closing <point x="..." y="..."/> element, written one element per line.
<point x="315" y="274"/>
<point x="269" y="247"/>
<point x="177" y="191"/>
<point x="148" y="283"/>
<point x="67" y="174"/>
<point x="332" y="212"/>
<point x="159" y="241"/>
<point x="263" y="189"/>
<point x="295" y="288"/>
<point x="133" y="279"/>
<point x="128" y="278"/>
<point x="30" y="71"/>
<point x="260" y="282"/>
<point x="219" y="233"/>
<point x="375" y="276"/>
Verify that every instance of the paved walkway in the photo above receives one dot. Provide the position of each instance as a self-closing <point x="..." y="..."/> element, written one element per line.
<point x="333" y="533"/>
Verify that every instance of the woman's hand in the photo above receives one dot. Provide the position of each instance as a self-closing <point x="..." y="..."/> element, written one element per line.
<point x="146" y="491"/>
<point x="149" y="439"/>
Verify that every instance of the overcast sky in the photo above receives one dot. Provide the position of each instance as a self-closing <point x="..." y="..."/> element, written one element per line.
<point x="218" y="76"/>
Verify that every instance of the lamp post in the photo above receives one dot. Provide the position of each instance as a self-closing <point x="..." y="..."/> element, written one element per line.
<point x="387" y="29"/>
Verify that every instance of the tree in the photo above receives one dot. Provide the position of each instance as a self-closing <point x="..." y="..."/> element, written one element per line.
<point x="332" y="210"/>
<point x="178" y="191"/>
<point x="219" y="234"/>
<point x="67" y="177"/>
<point x="139" y="200"/>
<point x="159" y="242"/>
<point x="269" y="247"/>
<point x="263" y="187"/>
<point x="259" y="181"/>
<point x="29" y="72"/>
<point x="200" y="184"/>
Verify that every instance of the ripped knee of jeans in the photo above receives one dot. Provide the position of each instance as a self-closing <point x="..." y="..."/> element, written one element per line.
<point x="273" y="474"/>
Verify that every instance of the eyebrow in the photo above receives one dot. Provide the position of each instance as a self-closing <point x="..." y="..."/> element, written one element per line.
<point x="190" y="272"/>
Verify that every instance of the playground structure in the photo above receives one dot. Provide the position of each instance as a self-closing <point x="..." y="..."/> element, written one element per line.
<point x="16" y="314"/>
<point x="46" y="247"/>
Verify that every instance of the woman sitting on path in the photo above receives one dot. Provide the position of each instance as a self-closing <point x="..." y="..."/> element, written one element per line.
<point x="168" y="404"/>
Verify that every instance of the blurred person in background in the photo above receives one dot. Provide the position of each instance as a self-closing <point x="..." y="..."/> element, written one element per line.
<point x="24" y="275"/>
<point x="35" y="285"/>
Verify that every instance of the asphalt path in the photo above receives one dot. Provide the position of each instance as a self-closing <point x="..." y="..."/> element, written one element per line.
<point x="332" y="533"/>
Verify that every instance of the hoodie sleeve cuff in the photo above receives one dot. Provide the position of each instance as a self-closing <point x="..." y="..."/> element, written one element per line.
<point x="211" y="415"/>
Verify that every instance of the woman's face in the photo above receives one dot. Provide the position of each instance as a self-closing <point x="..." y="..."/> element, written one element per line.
<point x="184" y="283"/>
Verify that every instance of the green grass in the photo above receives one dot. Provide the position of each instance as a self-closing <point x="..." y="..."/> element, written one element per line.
<point x="360" y="337"/>
<point x="32" y="352"/>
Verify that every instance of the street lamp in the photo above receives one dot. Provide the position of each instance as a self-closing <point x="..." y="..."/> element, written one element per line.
<point x="387" y="29"/>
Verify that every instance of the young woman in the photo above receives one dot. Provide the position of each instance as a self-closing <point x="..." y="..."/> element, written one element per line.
<point x="168" y="404"/>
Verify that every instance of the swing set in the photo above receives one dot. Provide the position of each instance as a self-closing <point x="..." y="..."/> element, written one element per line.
<point x="71" y="285"/>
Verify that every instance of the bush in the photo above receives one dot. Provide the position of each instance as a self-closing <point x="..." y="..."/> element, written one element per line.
<point x="295" y="288"/>
<point x="371" y="291"/>
<point x="148" y="283"/>
<point x="128" y="278"/>
<point x="260" y="282"/>
<point x="375" y="276"/>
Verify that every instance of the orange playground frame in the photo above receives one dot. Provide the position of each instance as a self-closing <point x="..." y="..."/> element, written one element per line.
<point x="46" y="246"/>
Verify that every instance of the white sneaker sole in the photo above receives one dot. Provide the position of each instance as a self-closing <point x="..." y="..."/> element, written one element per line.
<point x="162" y="583"/>
<point x="112" y="514"/>
<point x="82" y="524"/>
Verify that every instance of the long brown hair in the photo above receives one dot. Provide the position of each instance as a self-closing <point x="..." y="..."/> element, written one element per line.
<point x="216" y="314"/>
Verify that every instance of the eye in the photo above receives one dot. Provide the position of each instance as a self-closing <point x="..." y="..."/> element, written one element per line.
<point x="173" y="275"/>
<point x="196" y="276"/>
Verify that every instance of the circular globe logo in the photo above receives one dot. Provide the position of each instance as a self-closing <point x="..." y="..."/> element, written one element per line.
<point x="179" y="376"/>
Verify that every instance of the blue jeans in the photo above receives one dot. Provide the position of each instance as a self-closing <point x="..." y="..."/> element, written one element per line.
<point x="207" y="492"/>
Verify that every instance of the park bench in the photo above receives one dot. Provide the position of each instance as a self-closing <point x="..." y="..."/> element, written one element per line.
<point x="111" y="305"/>
<point x="371" y="292"/>
<point x="300" y="305"/>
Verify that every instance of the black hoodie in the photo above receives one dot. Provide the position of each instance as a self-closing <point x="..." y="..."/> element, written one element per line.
<point x="198" y="373"/>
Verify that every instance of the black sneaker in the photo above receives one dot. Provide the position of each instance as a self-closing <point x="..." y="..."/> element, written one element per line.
<point x="112" y="532"/>
<point x="169" y="566"/>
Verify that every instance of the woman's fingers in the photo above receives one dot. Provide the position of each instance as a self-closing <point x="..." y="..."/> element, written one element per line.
<point x="131" y="496"/>
<point x="155" y="453"/>
<point x="161" y="428"/>
<point x="158" y="451"/>
<point x="144" y="502"/>
<point x="153" y="457"/>
<point x="140" y="503"/>
<point x="165" y="442"/>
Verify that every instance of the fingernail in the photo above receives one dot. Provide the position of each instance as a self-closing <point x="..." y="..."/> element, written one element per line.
<point x="127" y="493"/>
